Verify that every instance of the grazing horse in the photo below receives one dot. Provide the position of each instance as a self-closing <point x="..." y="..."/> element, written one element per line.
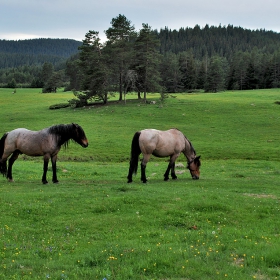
<point x="159" y="143"/>
<point x="46" y="142"/>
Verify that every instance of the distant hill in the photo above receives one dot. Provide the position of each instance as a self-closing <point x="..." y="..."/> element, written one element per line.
<point x="217" y="40"/>
<point x="36" y="51"/>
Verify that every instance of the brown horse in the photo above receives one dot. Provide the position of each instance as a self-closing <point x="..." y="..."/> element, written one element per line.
<point x="46" y="142"/>
<point x="159" y="143"/>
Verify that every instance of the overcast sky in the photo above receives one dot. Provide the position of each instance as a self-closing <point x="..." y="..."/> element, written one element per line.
<point x="26" y="19"/>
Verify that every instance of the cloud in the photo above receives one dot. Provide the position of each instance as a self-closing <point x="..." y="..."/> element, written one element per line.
<point x="73" y="19"/>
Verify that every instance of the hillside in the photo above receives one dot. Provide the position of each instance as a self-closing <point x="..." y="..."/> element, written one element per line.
<point x="36" y="51"/>
<point x="222" y="40"/>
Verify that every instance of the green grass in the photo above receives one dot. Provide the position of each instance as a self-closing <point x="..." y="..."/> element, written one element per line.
<point x="93" y="225"/>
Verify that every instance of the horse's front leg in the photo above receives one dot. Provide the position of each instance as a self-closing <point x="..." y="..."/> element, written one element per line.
<point x="10" y="165"/>
<point x="173" y="175"/>
<point x="143" y="167"/>
<point x="171" y="166"/>
<point x="46" y="163"/>
<point x="166" y="174"/>
<point x="54" y="179"/>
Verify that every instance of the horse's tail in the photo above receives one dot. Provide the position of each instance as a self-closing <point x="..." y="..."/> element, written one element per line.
<point x="134" y="157"/>
<point x="3" y="164"/>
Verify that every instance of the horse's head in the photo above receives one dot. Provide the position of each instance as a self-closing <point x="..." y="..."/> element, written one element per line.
<point x="79" y="136"/>
<point x="193" y="166"/>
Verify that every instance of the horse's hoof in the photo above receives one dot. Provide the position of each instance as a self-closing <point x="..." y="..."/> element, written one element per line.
<point x="55" y="182"/>
<point x="45" y="182"/>
<point x="10" y="180"/>
<point x="166" y="179"/>
<point x="129" y="181"/>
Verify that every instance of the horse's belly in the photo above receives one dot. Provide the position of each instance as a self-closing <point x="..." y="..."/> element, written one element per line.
<point x="31" y="151"/>
<point x="157" y="153"/>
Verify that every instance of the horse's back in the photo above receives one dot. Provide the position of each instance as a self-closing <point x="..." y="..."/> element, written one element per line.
<point x="26" y="141"/>
<point x="161" y="143"/>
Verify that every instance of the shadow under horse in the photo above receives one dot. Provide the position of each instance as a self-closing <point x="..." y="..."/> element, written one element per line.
<point x="169" y="143"/>
<point x="46" y="142"/>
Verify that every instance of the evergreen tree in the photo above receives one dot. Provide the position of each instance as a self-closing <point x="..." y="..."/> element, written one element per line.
<point x="12" y="84"/>
<point x="215" y="75"/>
<point x="47" y="72"/>
<point x="201" y="75"/>
<point x="147" y="60"/>
<point x="170" y="73"/>
<point x="275" y="70"/>
<point x="73" y="71"/>
<point x="93" y="69"/>
<point x="188" y="70"/>
<point x="120" y="43"/>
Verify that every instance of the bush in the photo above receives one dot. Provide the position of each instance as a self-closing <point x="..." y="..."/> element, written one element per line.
<point x="59" y="106"/>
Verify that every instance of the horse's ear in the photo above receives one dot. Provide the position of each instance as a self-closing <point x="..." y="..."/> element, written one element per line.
<point x="198" y="157"/>
<point x="74" y="124"/>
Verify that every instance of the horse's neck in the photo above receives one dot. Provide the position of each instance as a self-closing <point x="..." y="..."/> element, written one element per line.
<point x="189" y="151"/>
<point x="62" y="135"/>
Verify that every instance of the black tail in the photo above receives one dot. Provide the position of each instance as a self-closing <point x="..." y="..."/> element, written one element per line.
<point x="134" y="157"/>
<point x="3" y="165"/>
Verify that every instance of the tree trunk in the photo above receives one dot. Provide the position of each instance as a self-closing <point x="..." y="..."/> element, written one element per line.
<point x="121" y="93"/>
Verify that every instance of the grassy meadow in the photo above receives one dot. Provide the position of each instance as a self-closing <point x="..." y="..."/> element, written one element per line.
<point x="93" y="225"/>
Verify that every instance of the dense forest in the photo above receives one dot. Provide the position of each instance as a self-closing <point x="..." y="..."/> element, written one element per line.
<point x="36" y="52"/>
<point x="223" y="41"/>
<point x="211" y="58"/>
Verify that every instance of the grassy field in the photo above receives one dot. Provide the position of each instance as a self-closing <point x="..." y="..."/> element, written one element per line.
<point x="93" y="225"/>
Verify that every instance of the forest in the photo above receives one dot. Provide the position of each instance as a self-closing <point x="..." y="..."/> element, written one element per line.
<point x="209" y="58"/>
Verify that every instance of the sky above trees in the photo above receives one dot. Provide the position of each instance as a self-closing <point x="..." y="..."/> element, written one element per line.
<point x="22" y="19"/>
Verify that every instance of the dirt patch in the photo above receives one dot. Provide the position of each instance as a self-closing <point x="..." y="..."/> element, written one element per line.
<point x="261" y="195"/>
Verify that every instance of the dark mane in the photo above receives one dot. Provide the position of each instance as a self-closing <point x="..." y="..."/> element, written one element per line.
<point x="190" y="145"/>
<point x="63" y="133"/>
<point x="187" y="141"/>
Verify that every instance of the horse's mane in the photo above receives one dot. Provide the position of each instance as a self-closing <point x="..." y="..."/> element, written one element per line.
<point x="191" y="146"/>
<point x="63" y="133"/>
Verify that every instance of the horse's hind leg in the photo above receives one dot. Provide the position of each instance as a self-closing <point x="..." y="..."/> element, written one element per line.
<point x="45" y="170"/>
<point x="54" y="179"/>
<point x="12" y="159"/>
<point x="3" y="167"/>
<point x="143" y="167"/>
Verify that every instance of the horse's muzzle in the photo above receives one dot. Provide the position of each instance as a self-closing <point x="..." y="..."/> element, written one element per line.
<point x="195" y="177"/>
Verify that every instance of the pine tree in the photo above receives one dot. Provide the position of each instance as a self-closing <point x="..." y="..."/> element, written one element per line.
<point x="94" y="70"/>
<point x="170" y="73"/>
<point x="120" y="43"/>
<point x="188" y="70"/>
<point x="215" y="75"/>
<point x="147" y="60"/>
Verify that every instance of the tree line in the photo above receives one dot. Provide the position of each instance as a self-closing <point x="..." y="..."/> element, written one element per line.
<point x="209" y="58"/>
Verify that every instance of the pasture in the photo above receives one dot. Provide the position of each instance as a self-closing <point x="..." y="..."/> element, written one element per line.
<point x="93" y="225"/>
